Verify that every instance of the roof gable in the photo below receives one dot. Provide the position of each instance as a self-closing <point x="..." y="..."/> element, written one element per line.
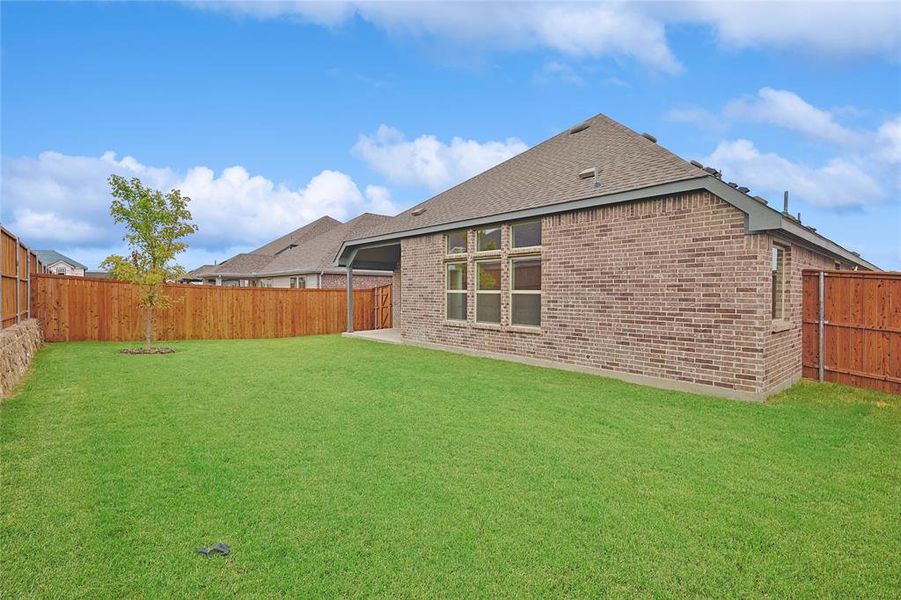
<point x="549" y="174"/>
<point x="317" y="254"/>
<point x="49" y="257"/>
<point x="308" y="231"/>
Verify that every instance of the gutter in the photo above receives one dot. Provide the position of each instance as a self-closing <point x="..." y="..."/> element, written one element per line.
<point x="760" y="218"/>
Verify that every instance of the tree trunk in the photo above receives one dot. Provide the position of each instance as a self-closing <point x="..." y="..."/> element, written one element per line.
<point x="149" y="327"/>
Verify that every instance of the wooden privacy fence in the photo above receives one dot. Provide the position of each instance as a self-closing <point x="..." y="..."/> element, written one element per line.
<point x="84" y="308"/>
<point x="852" y="328"/>
<point x="17" y="264"/>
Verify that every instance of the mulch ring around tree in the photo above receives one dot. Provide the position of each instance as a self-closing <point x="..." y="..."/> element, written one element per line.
<point x="146" y="351"/>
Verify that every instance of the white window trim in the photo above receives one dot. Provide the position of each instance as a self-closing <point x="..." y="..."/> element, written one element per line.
<point x="497" y="292"/>
<point x="500" y="247"/>
<point x="781" y="299"/>
<point x="525" y="292"/>
<point x="447" y="251"/>
<point x="447" y="289"/>
<point x="514" y="247"/>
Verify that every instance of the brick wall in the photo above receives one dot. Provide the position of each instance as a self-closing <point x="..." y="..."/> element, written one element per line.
<point x="782" y="354"/>
<point x="361" y="282"/>
<point x="670" y="288"/>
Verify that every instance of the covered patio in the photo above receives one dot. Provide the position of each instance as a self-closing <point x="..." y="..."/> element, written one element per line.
<point x="377" y="257"/>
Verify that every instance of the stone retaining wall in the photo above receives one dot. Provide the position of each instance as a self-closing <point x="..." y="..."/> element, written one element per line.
<point x="18" y="345"/>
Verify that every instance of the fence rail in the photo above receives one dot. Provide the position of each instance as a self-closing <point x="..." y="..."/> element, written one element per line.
<point x="851" y="330"/>
<point x="85" y="308"/>
<point x="17" y="264"/>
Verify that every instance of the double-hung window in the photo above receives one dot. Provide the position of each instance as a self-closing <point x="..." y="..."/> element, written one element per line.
<point x="455" y="290"/>
<point x="298" y="282"/>
<point x="779" y="282"/>
<point x="488" y="291"/>
<point x="525" y="291"/>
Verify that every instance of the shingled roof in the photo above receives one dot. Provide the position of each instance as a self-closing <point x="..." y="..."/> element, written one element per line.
<point x="558" y="175"/>
<point x="317" y="254"/>
<point x="308" y="249"/>
<point x="307" y="232"/>
<point x="48" y="257"/>
<point x="548" y="174"/>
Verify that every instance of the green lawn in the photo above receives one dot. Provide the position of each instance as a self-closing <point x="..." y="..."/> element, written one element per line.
<point x="344" y="467"/>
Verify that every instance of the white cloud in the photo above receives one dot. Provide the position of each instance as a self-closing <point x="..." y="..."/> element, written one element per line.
<point x="787" y="109"/>
<point x="58" y="200"/>
<point x="888" y="142"/>
<point x="571" y="29"/>
<point x="616" y="29"/>
<point x="429" y="162"/>
<point x="556" y="72"/>
<point x="838" y="29"/>
<point x="699" y="117"/>
<point x="838" y="183"/>
<point x="380" y="200"/>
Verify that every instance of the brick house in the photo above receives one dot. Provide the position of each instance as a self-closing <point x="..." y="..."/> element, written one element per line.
<point x="599" y="250"/>
<point x="300" y="259"/>
<point x="60" y="264"/>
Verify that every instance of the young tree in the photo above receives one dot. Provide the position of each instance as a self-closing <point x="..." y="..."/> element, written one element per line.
<point x="155" y="225"/>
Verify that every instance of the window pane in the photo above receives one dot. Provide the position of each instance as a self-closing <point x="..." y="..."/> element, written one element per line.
<point x="456" y="276"/>
<point x="456" y="306"/>
<point x="489" y="275"/>
<point x="489" y="239"/>
<point x="526" y="309"/>
<point x="527" y="274"/>
<point x="527" y="234"/>
<point x="778" y="269"/>
<point x="488" y="308"/>
<point x="456" y="242"/>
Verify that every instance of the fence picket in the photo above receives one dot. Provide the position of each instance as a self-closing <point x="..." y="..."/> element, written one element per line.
<point x="84" y="308"/>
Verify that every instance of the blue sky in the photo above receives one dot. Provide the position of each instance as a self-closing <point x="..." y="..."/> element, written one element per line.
<point x="269" y="115"/>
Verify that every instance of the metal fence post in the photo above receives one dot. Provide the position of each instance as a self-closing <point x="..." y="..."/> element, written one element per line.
<point x="822" y="323"/>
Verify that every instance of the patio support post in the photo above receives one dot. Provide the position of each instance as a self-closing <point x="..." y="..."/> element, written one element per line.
<point x="350" y="299"/>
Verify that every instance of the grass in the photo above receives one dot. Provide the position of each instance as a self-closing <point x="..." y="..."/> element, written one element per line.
<point x="343" y="467"/>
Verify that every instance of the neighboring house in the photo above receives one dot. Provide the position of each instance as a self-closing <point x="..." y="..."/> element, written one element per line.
<point x="300" y="259"/>
<point x="60" y="264"/>
<point x="601" y="250"/>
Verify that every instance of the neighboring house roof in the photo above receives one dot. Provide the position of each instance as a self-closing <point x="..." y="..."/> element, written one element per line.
<point x="49" y="257"/>
<point x="309" y="249"/>
<point x="546" y="179"/>
<point x="308" y="231"/>
<point x="317" y="255"/>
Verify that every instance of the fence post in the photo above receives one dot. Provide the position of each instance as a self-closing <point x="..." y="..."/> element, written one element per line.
<point x="18" y="286"/>
<point x="28" y="285"/>
<point x="822" y="298"/>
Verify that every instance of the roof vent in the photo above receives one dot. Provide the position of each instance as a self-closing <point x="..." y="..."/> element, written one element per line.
<point x="761" y="199"/>
<point x="713" y="172"/>
<point x="732" y="184"/>
<point x="648" y="136"/>
<point x="579" y="127"/>
<point x="697" y="164"/>
<point x="743" y="190"/>
<point x="589" y="173"/>
<point x="418" y="211"/>
<point x="855" y="253"/>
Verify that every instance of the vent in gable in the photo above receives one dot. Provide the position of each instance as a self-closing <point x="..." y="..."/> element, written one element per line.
<point x="579" y="127"/>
